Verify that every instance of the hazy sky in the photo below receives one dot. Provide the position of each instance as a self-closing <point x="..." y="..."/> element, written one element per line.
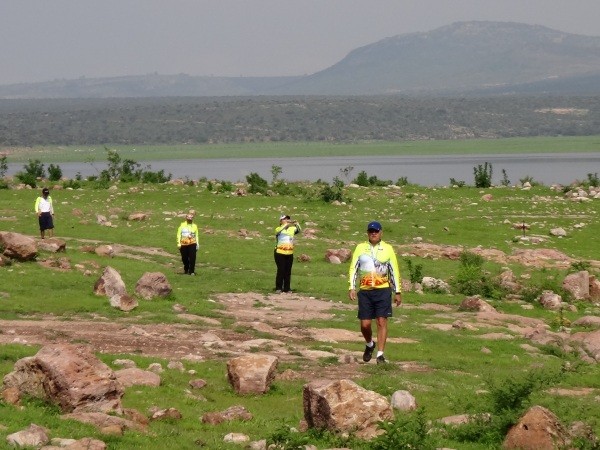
<point x="42" y="40"/>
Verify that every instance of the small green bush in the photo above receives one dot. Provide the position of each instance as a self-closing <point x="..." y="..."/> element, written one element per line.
<point x="483" y="175"/>
<point x="333" y="193"/>
<point x="410" y="431"/>
<point x="257" y="184"/>
<point x="457" y="183"/>
<point x="415" y="271"/>
<point x="54" y="172"/>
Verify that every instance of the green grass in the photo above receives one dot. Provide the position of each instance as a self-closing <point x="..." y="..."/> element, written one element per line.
<point x="82" y="153"/>
<point x="227" y="262"/>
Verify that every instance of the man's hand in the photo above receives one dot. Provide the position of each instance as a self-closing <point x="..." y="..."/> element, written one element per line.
<point x="352" y="294"/>
<point x="398" y="298"/>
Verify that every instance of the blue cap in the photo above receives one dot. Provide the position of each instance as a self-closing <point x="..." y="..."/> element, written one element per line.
<point x="374" y="226"/>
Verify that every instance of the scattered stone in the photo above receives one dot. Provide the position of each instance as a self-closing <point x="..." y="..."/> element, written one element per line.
<point x="237" y="412"/>
<point x="133" y="376"/>
<point x="197" y="384"/>
<point x="475" y="303"/>
<point x="153" y="284"/>
<point x="550" y="300"/>
<point x="123" y="302"/>
<point x="403" y="401"/>
<point x="236" y="438"/>
<point x="176" y="365"/>
<point x="32" y="436"/>
<point x="167" y="414"/>
<point x="252" y="374"/>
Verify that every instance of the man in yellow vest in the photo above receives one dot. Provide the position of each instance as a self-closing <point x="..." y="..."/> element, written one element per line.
<point x="374" y="270"/>
<point x="187" y="243"/>
<point x="284" y="252"/>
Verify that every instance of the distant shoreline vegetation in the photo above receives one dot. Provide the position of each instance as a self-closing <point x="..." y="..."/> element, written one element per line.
<point x="97" y="153"/>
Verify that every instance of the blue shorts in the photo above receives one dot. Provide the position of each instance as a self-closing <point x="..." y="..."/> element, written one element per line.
<point x="375" y="303"/>
<point x="45" y="221"/>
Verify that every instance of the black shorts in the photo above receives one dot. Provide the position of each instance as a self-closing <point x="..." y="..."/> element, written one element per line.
<point x="46" y="222"/>
<point x="375" y="303"/>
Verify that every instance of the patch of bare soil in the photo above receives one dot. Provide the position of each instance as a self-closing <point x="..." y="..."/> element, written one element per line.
<point x="281" y="317"/>
<point x="277" y="324"/>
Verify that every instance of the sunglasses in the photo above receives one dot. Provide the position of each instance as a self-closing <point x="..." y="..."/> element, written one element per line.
<point x="373" y="231"/>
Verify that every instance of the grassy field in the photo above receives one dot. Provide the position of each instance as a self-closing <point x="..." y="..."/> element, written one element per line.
<point x="457" y="369"/>
<point x="49" y="154"/>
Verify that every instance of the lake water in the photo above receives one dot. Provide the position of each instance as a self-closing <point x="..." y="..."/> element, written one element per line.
<point x="423" y="170"/>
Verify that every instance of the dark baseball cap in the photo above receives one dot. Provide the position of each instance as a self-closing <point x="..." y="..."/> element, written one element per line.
<point x="374" y="226"/>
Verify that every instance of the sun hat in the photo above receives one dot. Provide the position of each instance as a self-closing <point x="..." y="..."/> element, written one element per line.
<point x="374" y="226"/>
<point x="284" y="216"/>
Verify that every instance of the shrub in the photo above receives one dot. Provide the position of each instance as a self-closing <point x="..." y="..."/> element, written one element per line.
<point x="73" y="184"/>
<point x="593" y="180"/>
<point x="528" y="179"/>
<point x="225" y="187"/>
<point x="275" y="172"/>
<point x="457" y="183"/>
<point x="402" y="181"/>
<point x="155" y="177"/>
<point x="410" y="431"/>
<point x="3" y="166"/>
<point x="483" y="175"/>
<point x="415" y="271"/>
<point x="505" y="401"/>
<point x="54" y="172"/>
<point x="257" y="184"/>
<point x="27" y="178"/>
<point x="505" y="181"/>
<point x="362" y="179"/>
<point x="333" y="193"/>
<point x="471" y="279"/>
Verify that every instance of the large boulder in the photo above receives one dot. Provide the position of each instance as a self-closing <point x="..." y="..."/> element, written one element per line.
<point x="153" y="284"/>
<point x="69" y="376"/>
<point x="18" y="246"/>
<point x="538" y="429"/>
<point x="343" y="406"/>
<point x="110" y="283"/>
<point x="578" y="285"/>
<point x="252" y="374"/>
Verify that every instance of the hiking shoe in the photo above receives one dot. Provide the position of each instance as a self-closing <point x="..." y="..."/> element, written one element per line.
<point x="192" y="274"/>
<point x="381" y="360"/>
<point x="368" y="352"/>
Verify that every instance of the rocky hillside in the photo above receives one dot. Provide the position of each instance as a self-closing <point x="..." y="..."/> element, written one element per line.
<point x="466" y="57"/>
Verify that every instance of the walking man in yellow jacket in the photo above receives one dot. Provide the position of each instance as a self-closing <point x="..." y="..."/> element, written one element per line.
<point x="374" y="270"/>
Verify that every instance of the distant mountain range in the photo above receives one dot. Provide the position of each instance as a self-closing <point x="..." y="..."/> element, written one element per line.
<point x="465" y="58"/>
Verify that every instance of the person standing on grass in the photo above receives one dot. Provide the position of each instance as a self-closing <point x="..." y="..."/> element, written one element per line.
<point x="284" y="252"/>
<point x="187" y="243"/>
<point x="45" y="211"/>
<point x="375" y="266"/>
